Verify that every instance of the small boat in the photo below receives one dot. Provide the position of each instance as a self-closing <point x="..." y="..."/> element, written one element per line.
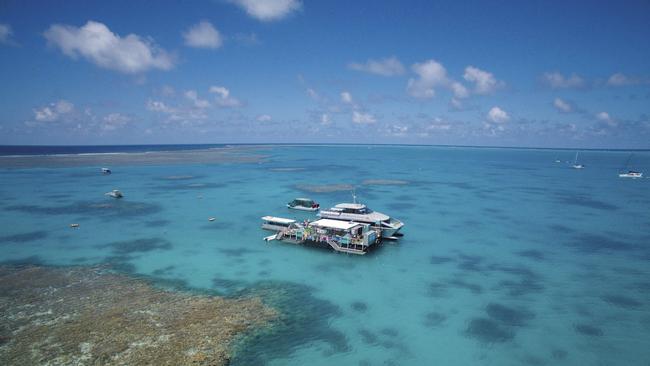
<point x="630" y="173"/>
<point x="212" y="218"/>
<point x="74" y="225"/>
<point x="276" y="223"/>
<point x="114" y="193"/>
<point x="106" y="171"/>
<point x="575" y="163"/>
<point x="304" y="204"/>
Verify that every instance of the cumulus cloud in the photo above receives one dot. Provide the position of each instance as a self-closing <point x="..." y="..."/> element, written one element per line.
<point x="193" y="96"/>
<point x="498" y="115"/>
<point x="158" y="106"/>
<point x="268" y="10"/>
<point x="556" y="80"/>
<point x="203" y="35"/>
<point x="363" y="118"/>
<point x="346" y="97"/>
<point x="325" y="119"/>
<point x="264" y="118"/>
<point x="484" y="82"/>
<point x="620" y="79"/>
<point x="386" y="67"/>
<point x="6" y="33"/>
<point x="96" y="43"/>
<point x="430" y="74"/>
<point x="114" y="121"/>
<point x="459" y="90"/>
<point x="54" y="111"/>
<point x="562" y="105"/>
<point x="223" y="98"/>
<point x="604" y="116"/>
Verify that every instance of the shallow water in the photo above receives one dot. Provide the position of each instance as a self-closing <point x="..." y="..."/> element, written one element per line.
<point x="508" y="258"/>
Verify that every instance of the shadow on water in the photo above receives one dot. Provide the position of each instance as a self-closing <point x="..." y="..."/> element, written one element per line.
<point x="122" y="209"/>
<point x="137" y="246"/>
<point x="584" y="201"/>
<point x="488" y="331"/>
<point x="304" y="319"/>
<point x="24" y="237"/>
<point x="622" y="301"/>
<point x="596" y="243"/>
<point x="588" y="330"/>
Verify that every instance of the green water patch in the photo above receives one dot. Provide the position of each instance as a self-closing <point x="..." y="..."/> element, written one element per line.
<point x="508" y="315"/>
<point x="434" y="319"/>
<point x="584" y="200"/>
<point x="533" y="254"/>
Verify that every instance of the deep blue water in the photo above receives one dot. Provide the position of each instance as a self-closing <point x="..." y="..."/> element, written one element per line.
<point x="508" y="257"/>
<point x="6" y="150"/>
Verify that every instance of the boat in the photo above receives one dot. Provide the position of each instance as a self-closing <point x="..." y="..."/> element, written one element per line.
<point x="575" y="163"/>
<point x="304" y="204"/>
<point x="276" y="223"/>
<point x="344" y="237"/>
<point x="358" y="212"/>
<point x="106" y="171"/>
<point x="114" y="193"/>
<point x="630" y="173"/>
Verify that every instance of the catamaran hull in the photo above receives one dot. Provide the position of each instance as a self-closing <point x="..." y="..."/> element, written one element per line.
<point x="626" y="175"/>
<point x="312" y="209"/>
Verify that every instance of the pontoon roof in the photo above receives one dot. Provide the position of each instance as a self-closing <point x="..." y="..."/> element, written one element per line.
<point x="335" y="224"/>
<point x="354" y="206"/>
<point x="278" y="219"/>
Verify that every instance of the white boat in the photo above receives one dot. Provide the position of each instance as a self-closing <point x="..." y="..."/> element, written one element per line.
<point x="276" y="223"/>
<point x="575" y="163"/>
<point x="304" y="204"/>
<point x="106" y="171"/>
<point x="114" y="193"/>
<point x="630" y="173"/>
<point x="357" y="212"/>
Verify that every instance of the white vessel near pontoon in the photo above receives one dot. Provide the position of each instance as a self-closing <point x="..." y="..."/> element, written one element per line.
<point x="303" y="204"/>
<point x="357" y="212"/>
<point x="276" y="223"/>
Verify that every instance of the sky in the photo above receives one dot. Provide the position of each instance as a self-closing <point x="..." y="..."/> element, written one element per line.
<point x="486" y="73"/>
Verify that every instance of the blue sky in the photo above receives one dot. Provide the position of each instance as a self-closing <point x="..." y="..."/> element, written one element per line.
<point x="497" y="73"/>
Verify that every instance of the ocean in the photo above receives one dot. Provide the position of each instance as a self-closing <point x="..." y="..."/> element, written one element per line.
<point x="508" y="257"/>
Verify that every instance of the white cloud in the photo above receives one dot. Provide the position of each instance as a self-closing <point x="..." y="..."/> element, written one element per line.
<point x="498" y="115"/>
<point x="268" y="10"/>
<point x="484" y="82"/>
<point x="158" y="106"/>
<point x="114" y="121"/>
<point x="556" y="80"/>
<point x="562" y="106"/>
<point x="459" y="90"/>
<point x="193" y="96"/>
<point x="313" y="94"/>
<point x="385" y="67"/>
<point x="363" y="118"/>
<point x="223" y="97"/>
<point x="95" y="42"/>
<point x="54" y="111"/>
<point x="203" y="35"/>
<point x="6" y="33"/>
<point x="325" y="119"/>
<point x="604" y="116"/>
<point x="264" y="118"/>
<point x="431" y="74"/>
<point x="346" y="97"/>
<point x="619" y="79"/>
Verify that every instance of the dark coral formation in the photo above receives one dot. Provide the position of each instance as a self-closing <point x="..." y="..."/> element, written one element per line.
<point x="89" y="316"/>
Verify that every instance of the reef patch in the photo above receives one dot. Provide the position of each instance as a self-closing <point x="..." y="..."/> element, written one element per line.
<point x="89" y="316"/>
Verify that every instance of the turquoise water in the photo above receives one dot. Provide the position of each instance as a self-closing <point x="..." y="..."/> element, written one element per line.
<point x="507" y="257"/>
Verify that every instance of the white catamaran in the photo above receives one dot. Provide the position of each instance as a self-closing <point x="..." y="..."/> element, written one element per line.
<point x="630" y="173"/>
<point x="357" y="212"/>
